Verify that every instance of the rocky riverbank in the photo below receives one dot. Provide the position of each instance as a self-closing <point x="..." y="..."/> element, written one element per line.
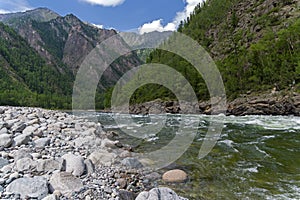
<point x="275" y="103"/>
<point x="52" y="155"/>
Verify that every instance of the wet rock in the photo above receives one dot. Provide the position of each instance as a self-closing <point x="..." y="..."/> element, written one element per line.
<point x="36" y="187"/>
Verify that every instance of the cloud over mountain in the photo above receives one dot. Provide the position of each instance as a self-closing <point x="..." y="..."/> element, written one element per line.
<point x="107" y="3"/>
<point x="157" y="25"/>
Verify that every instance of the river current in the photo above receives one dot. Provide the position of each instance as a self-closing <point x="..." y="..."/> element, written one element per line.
<point x="255" y="157"/>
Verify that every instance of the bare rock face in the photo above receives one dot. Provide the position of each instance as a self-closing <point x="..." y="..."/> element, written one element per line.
<point x="175" y="176"/>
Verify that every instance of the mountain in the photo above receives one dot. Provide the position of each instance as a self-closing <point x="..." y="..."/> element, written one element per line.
<point x="25" y="77"/>
<point x="62" y="44"/>
<point x="19" y="19"/>
<point x="255" y="44"/>
<point x="140" y="42"/>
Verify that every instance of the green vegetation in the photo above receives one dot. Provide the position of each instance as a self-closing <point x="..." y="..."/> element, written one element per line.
<point x="26" y="79"/>
<point x="264" y="55"/>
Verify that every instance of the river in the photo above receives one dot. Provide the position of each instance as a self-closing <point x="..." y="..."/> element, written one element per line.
<point x="255" y="157"/>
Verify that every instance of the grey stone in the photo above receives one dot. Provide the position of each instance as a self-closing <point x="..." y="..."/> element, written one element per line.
<point x="65" y="182"/>
<point x="102" y="158"/>
<point x="86" y="142"/>
<point x="3" y="131"/>
<point x="132" y="163"/>
<point x="48" y="165"/>
<point x="36" y="187"/>
<point x="42" y="142"/>
<point x="3" y="162"/>
<point x="74" y="164"/>
<point x="26" y="165"/>
<point x="159" y="194"/>
<point x="5" y="140"/>
<point x="2" y="181"/>
<point x="126" y="195"/>
<point x="21" y="139"/>
<point x="50" y="197"/>
<point x="18" y="128"/>
<point x="1" y="189"/>
<point x="22" y="153"/>
<point x="29" y="130"/>
<point x="89" y="166"/>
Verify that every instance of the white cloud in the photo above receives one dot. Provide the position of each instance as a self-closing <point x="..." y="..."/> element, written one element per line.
<point x="172" y="26"/>
<point x="156" y="25"/>
<point x="98" y="26"/>
<point x="106" y="3"/>
<point x="14" y="6"/>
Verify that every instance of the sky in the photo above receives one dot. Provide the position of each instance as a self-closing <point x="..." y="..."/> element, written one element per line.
<point x="123" y="15"/>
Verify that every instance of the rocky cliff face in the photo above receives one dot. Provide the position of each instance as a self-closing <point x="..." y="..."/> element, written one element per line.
<point x="247" y="22"/>
<point x="64" y="42"/>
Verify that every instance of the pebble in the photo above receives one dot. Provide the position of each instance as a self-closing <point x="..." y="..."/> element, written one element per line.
<point x="51" y="155"/>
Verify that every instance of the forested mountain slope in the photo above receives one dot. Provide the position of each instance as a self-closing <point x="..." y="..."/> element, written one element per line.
<point x="60" y="44"/>
<point x="255" y="44"/>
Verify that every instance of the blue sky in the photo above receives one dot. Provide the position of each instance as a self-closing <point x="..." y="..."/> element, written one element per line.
<point x="123" y="15"/>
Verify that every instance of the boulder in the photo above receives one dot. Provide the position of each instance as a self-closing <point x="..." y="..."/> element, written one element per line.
<point x="48" y="165"/>
<point x="74" y="164"/>
<point x="175" y="176"/>
<point x="36" y="187"/>
<point x="102" y="158"/>
<point x="26" y="165"/>
<point x="65" y="182"/>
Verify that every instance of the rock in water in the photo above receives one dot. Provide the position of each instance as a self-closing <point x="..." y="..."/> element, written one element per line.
<point x="159" y="194"/>
<point x="36" y="187"/>
<point x="66" y="183"/>
<point x="175" y="176"/>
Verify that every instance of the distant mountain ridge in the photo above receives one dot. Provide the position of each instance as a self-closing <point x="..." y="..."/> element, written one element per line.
<point x="62" y="44"/>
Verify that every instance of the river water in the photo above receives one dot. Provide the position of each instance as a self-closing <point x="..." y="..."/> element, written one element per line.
<point x="255" y="157"/>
